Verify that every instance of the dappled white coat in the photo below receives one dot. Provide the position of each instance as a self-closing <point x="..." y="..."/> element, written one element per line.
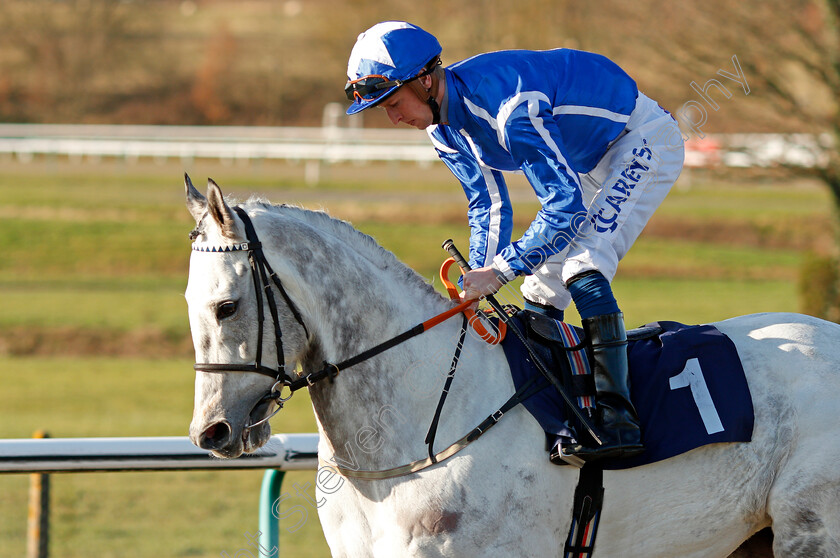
<point x="500" y="496"/>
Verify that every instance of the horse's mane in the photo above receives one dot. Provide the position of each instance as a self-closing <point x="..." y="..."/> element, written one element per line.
<point x="363" y="244"/>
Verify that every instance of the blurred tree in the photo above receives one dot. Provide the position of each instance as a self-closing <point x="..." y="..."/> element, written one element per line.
<point x="210" y="79"/>
<point x="225" y="62"/>
<point x="789" y="51"/>
<point x="63" y="58"/>
<point x="819" y="287"/>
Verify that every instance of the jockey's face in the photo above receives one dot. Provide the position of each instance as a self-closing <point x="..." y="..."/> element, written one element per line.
<point x="404" y="106"/>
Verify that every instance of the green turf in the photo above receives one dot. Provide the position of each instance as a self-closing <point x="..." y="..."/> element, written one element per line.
<point x="741" y="201"/>
<point x="657" y="257"/>
<point x="199" y="513"/>
<point x="117" y="305"/>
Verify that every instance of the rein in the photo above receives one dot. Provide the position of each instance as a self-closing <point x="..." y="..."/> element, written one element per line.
<point x="261" y="272"/>
<point x="331" y="370"/>
<point x="531" y="387"/>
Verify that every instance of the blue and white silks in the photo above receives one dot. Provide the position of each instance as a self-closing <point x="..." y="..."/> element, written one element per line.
<point x="550" y="114"/>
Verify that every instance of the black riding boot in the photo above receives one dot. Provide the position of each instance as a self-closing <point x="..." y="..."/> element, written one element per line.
<point x="617" y="423"/>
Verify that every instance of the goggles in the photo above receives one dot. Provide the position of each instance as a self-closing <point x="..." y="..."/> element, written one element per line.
<point x="368" y="88"/>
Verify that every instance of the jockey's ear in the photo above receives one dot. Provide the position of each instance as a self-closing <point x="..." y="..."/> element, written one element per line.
<point x="196" y="203"/>
<point x="221" y="213"/>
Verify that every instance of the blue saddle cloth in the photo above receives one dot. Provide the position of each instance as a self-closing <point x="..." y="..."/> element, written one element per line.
<point x="687" y="384"/>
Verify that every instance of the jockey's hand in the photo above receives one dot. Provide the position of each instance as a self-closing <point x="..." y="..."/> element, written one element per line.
<point x="483" y="281"/>
<point x="473" y="306"/>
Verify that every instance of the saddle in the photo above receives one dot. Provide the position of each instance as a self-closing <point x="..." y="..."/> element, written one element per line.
<point x="686" y="382"/>
<point x="556" y="340"/>
<point x="687" y="385"/>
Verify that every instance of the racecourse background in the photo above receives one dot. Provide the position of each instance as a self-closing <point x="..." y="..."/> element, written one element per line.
<point x="94" y="338"/>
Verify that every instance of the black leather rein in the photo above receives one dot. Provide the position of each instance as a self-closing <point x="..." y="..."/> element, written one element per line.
<point x="261" y="272"/>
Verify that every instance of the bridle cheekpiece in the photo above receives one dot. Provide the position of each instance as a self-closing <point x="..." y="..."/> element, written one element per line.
<point x="263" y="276"/>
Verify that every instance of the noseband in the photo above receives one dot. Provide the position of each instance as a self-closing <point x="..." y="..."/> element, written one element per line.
<point x="261" y="271"/>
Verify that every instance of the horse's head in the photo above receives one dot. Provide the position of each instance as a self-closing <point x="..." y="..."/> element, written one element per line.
<point x="233" y="329"/>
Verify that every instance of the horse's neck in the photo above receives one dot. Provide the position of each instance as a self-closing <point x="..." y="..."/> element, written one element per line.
<point x="376" y="413"/>
<point x="369" y="406"/>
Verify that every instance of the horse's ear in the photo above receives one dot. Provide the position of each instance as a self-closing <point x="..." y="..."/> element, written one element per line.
<point x="196" y="203"/>
<point x="221" y="212"/>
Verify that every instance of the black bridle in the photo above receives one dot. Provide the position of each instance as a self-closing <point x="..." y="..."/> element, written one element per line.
<point x="261" y="272"/>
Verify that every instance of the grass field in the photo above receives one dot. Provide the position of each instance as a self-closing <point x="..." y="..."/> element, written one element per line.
<point x="198" y="513"/>
<point x="94" y="338"/>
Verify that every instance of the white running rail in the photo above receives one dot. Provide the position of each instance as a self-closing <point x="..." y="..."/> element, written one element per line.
<point x="287" y="452"/>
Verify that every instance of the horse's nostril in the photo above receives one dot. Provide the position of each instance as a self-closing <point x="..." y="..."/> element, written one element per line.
<point x="215" y="436"/>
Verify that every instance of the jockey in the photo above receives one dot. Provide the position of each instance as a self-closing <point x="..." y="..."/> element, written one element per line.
<point x="599" y="154"/>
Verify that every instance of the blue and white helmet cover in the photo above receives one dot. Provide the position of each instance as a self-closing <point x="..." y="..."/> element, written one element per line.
<point x="395" y="49"/>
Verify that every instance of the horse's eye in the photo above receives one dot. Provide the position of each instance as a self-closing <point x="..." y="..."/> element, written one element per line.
<point x="225" y="309"/>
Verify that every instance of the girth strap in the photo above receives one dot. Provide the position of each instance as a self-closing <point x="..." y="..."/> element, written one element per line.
<point x="586" y="514"/>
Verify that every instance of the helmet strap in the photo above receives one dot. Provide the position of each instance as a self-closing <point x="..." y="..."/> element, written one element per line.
<point x="429" y="96"/>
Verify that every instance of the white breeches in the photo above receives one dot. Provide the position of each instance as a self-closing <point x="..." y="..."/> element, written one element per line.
<point x="620" y="193"/>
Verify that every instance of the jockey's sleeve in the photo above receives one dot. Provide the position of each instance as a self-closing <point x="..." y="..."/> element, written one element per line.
<point x="490" y="213"/>
<point x="535" y="144"/>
